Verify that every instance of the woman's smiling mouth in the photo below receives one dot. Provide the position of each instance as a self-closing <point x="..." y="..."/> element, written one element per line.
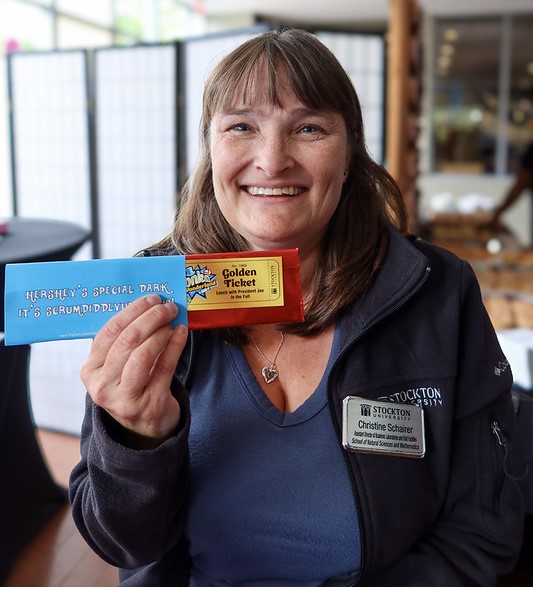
<point x="274" y="192"/>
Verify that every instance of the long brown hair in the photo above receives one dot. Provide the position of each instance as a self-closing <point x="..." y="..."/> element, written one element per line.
<point x="356" y="241"/>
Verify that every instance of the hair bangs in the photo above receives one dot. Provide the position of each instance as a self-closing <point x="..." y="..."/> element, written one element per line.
<point x="265" y="68"/>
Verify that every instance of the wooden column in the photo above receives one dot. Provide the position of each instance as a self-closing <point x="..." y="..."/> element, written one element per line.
<point x="403" y="99"/>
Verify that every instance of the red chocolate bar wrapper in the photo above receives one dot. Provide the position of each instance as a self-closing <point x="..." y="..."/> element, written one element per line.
<point x="243" y="288"/>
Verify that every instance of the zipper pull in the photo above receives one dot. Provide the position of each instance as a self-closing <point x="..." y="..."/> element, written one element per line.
<point x="503" y="441"/>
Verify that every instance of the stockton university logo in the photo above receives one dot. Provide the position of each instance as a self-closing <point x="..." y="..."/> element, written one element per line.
<point x="418" y="396"/>
<point x="366" y="409"/>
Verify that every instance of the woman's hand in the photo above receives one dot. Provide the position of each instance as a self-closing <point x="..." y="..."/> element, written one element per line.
<point x="130" y="366"/>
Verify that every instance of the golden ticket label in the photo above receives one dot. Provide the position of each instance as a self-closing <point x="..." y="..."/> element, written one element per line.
<point x="225" y="283"/>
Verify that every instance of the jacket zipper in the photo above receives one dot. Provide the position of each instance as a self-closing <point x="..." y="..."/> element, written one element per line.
<point x="351" y="477"/>
<point x="503" y="441"/>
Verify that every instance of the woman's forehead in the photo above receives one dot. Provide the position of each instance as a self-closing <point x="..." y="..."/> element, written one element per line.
<point x="259" y="83"/>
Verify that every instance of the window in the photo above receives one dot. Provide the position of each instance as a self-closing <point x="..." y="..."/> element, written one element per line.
<point x="520" y="118"/>
<point x="37" y="25"/>
<point x="24" y="27"/>
<point x="75" y="34"/>
<point x="483" y="94"/>
<point x="96" y="11"/>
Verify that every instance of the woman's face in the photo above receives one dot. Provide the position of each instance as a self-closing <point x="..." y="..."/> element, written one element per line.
<point x="278" y="171"/>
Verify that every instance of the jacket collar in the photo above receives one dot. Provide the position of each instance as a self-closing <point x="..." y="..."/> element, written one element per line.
<point x="403" y="271"/>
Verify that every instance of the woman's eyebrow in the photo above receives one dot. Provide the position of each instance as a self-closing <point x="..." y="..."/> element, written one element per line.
<point x="299" y="112"/>
<point x="237" y="111"/>
<point x="305" y="112"/>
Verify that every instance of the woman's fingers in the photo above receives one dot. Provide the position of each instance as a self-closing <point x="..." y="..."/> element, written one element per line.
<point x="116" y="326"/>
<point x="146" y="321"/>
<point x="145" y="335"/>
<point x="129" y="369"/>
<point x="153" y="411"/>
<point x="157" y="356"/>
<point x="169" y="357"/>
<point x="127" y="329"/>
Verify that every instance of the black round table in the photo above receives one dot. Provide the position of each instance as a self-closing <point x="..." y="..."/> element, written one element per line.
<point x="37" y="240"/>
<point x="29" y="496"/>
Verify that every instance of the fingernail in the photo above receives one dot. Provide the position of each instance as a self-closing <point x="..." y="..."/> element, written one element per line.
<point x="153" y="299"/>
<point x="181" y="329"/>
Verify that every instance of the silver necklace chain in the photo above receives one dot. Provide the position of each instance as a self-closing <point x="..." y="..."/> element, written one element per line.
<point x="270" y="373"/>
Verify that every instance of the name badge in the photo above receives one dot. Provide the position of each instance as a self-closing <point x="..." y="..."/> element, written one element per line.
<point x="386" y="428"/>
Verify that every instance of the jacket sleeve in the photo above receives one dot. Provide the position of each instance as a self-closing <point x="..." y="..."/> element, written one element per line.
<point x="129" y="504"/>
<point x="477" y="535"/>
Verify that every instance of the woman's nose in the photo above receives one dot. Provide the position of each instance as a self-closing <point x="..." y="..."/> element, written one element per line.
<point x="273" y="155"/>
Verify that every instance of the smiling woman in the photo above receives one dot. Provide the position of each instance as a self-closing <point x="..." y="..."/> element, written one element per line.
<point x="279" y="163"/>
<point x="286" y="116"/>
<point x="238" y="457"/>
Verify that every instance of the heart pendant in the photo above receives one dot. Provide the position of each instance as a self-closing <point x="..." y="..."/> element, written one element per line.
<point x="269" y="374"/>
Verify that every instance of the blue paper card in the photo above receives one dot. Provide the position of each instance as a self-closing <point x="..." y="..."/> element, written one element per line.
<point x="69" y="300"/>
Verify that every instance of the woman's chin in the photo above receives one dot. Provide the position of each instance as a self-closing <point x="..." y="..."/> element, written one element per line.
<point x="271" y="242"/>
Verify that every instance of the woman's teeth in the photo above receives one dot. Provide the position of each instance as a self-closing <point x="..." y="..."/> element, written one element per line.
<point x="276" y="192"/>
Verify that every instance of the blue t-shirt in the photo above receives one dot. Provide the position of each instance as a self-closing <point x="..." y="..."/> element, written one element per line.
<point x="270" y="501"/>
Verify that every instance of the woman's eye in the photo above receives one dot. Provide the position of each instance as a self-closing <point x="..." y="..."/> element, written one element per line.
<point x="241" y="127"/>
<point x="309" y="129"/>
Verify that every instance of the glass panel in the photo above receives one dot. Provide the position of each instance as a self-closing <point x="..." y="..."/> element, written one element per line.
<point x="24" y="27"/>
<point x="156" y="21"/>
<point x="73" y="34"/>
<point x="465" y="116"/>
<point x="95" y="11"/>
<point x="5" y="170"/>
<point x="177" y="21"/>
<point x="521" y="93"/>
<point x="135" y="21"/>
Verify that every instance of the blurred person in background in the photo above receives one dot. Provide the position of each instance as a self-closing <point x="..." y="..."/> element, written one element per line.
<point x="523" y="182"/>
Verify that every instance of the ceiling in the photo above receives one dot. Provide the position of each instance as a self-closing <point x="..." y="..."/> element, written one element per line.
<point x="336" y="12"/>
